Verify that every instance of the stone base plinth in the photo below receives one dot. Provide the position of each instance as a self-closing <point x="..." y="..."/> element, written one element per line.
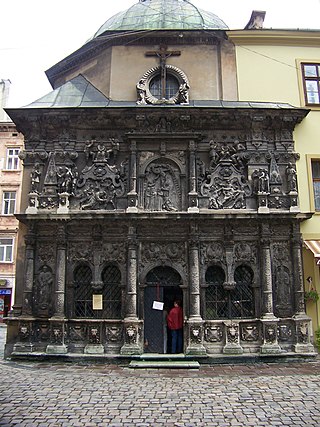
<point x="56" y="349"/>
<point x="232" y="349"/>
<point x="94" y="349"/>
<point x="270" y="349"/>
<point x="304" y="348"/>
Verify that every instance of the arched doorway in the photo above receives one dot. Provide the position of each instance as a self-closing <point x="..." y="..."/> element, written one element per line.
<point x="162" y="285"/>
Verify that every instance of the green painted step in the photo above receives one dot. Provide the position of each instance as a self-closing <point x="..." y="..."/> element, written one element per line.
<point x="164" y="364"/>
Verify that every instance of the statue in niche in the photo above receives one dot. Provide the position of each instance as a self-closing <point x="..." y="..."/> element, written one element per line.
<point x="45" y="281"/>
<point x="275" y="177"/>
<point x="160" y="188"/>
<point x="64" y="179"/>
<point x="291" y="178"/>
<point x="35" y="178"/>
<point x="260" y="179"/>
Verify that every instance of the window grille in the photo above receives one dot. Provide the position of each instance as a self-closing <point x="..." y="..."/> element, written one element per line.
<point x="229" y="304"/>
<point x="216" y="298"/>
<point x="111" y="278"/>
<point x="111" y="293"/>
<point x="83" y="291"/>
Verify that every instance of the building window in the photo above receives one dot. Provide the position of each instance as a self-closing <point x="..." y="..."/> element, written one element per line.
<point x="6" y="250"/>
<point x="13" y="158"/>
<point x="9" y="202"/>
<point x="111" y="293"/>
<point x="315" y="166"/>
<point x="216" y="298"/>
<point x="171" y="87"/>
<point x="224" y="303"/>
<point x="311" y="82"/>
<point x="111" y="278"/>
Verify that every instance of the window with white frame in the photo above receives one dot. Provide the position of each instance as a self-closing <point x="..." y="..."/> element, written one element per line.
<point x="315" y="166"/>
<point x="311" y="82"/>
<point x="13" y="158"/>
<point x="6" y="249"/>
<point x="9" y="202"/>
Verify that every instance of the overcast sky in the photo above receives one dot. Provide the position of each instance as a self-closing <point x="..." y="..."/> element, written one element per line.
<point x="36" y="34"/>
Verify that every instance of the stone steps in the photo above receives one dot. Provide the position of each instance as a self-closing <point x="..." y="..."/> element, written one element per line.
<point x="164" y="364"/>
<point x="165" y="361"/>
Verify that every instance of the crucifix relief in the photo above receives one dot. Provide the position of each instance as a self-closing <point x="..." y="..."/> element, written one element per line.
<point x="163" y="54"/>
<point x="165" y="83"/>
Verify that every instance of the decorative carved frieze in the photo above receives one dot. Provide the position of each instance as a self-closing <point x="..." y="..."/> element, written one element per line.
<point x="213" y="333"/>
<point x="114" y="333"/>
<point x="249" y="332"/>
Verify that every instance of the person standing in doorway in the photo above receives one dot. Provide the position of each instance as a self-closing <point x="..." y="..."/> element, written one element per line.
<point x="175" y="325"/>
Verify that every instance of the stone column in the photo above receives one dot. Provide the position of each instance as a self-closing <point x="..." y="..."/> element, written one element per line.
<point x="195" y="322"/>
<point x="302" y="321"/>
<point x="57" y="321"/>
<point x="132" y="326"/>
<point x="29" y="275"/>
<point x="269" y="321"/>
<point x="133" y="195"/>
<point x="60" y="278"/>
<point x="193" y="195"/>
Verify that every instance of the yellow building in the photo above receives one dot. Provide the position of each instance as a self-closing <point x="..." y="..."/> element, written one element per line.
<point x="284" y="66"/>
<point x="11" y="142"/>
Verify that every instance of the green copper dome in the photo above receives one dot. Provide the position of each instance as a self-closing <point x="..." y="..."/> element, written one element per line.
<point x="162" y="15"/>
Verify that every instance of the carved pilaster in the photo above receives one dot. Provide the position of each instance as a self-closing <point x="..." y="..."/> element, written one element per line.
<point x="267" y="307"/>
<point x="270" y="337"/>
<point x="57" y="337"/>
<point x="194" y="275"/>
<point x="29" y="275"/>
<point x="193" y="195"/>
<point x="195" y="322"/>
<point x="131" y="305"/>
<point x="232" y="345"/>
<point x="298" y="275"/>
<point x="133" y="339"/>
<point x="133" y="195"/>
<point x="60" y="274"/>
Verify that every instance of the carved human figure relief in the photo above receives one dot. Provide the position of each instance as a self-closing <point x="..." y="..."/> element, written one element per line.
<point x="161" y="188"/>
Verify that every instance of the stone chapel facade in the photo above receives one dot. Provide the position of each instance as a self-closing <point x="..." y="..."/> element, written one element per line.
<point x="146" y="181"/>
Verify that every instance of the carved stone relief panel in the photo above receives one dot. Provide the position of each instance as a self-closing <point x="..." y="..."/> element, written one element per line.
<point x="161" y="188"/>
<point x="213" y="333"/>
<point x="282" y="278"/>
<point x="153" y="252"/>
<point x="114" y="334"/>
<point x="212" y="252"/>
<point x="249" y="332"/>
<point x="113" y="252"/>
<point x="80" y="251"/>
<point x="223" y="183"/>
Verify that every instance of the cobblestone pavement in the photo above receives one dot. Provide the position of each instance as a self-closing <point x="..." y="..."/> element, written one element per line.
<point x="35" y="394"/>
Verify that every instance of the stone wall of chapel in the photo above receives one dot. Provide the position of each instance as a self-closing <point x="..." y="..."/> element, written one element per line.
<point x="116" y="70"/>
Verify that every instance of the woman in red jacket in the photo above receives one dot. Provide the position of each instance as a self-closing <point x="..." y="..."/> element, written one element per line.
<point x="175" y="324"/>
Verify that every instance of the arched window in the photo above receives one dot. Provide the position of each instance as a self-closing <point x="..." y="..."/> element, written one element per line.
<point x="221" y="303"/>
<point x="111" y="293"/>
<point x="216" y="298"/>
<point x="242" y="304"/>
<point x="82" y="277"/>
<point x="111" y="278"/>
